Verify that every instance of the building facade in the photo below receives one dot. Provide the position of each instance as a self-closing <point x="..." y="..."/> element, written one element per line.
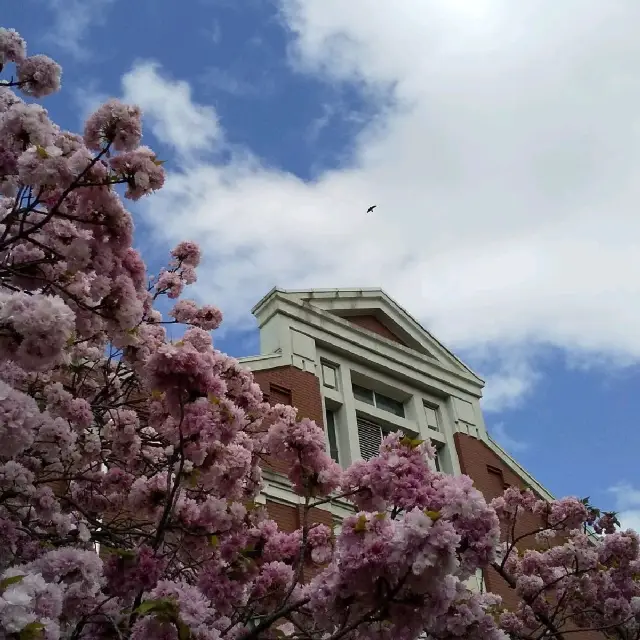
<point x="358" y="364"/>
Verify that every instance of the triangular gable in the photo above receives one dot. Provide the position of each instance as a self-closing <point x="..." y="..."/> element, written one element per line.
<point x="369" y="322"/>
<point x="373" y="310"/>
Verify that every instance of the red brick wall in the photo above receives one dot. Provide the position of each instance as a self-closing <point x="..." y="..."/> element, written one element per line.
<point x="492" y="476"/>
<point x="288" y="385"/>
<point x="371" y="323"/>
<point x="301" y="389"/>
<point x="285" y="515"/>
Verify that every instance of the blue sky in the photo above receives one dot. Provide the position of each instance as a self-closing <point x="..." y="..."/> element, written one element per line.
<point x="499" y="141"/>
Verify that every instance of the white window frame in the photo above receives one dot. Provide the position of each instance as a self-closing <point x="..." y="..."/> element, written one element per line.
<point x="374" y="402"/>
<point x="328" y="366"/>
<point x="333" y="428"/>
<point x="435" y="411"/>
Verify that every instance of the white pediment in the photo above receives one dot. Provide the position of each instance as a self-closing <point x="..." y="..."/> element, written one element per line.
<point x="373" y="311"/>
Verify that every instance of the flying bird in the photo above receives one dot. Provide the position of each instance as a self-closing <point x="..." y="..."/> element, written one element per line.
<point x="371" y="208"/>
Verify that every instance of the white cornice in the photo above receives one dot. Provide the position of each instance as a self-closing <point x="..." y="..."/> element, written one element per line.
<point x="369" y="298"/>
<point x="336" y="333"/>
<point x="278" y="488"/>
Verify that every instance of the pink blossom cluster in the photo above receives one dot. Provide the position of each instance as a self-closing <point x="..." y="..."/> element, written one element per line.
<point x="301" y="443"/>
<point x="206" y="317"/>
<point x="575" y="578"/>
<point x="34" y="328"/>
<point x="38" y="75"/>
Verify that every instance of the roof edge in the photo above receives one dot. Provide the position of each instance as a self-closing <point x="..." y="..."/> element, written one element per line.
<point x="519" y="469"/>
<point x="385" y="296"/>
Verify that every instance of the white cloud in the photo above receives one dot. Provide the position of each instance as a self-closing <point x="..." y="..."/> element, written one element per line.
<point x="71" y="21"/>
<point x="88" y="99"/>
<point x="628" y="505"/>
<point x="509" y="373"/>
<point x="511" y="444"/>
<point x="174" y="118"/>
<point x="215" y="33"/>
<point x="505" y="173"/>
<point x="234" y="84"/>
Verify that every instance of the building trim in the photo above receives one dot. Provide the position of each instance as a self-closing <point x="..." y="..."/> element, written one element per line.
<point x="350" y="299"/>
<point x="518" y="469"/>
<point x="351" y="339"/>
<point x="277" y="488"/>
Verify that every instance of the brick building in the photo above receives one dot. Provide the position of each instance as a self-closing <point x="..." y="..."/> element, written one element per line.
<point x="358" y="364"/>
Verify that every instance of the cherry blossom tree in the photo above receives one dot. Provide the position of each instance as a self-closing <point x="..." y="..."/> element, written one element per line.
<point x="130" y="464"/>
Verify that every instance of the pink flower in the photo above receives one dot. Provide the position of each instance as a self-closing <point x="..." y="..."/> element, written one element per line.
<point x="37" y="328"/>
<point x="115" y="123"/>
<point x="171" y="283"/>
<point x="122" y="434"/>
<point x="141" y="169"/>
<point x="132" y="571"/>
<point x="187" y="312"/>
<point x="29" y="600"/>
<point x="44" y="167"/>
<point x="22" y="125"/>
<point x="400" y="476"/>
<point x="12" y="46"/>
<point x="187" y="253"/>
<point x="19" y="419"/>
<point x="301" y="444"/>
<point x="321" y="544"/>
<point x="199" y="338"/>
<point x="39" y="76"/>
<point x="194" y="610"/>
<point x="271" y="585"/>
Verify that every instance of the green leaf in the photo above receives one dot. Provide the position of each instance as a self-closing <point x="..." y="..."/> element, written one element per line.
<point x="194" y="476"/>
<point x="381" y="516"/>
<point x="163" y="606"/>
<point x="214" y="541"/>
<point x="7" y="582"/>
<point x="42" y="152"/>
<point x="412" y="443"/>
<point x="361" y="524"/>
<point x="434" y="515"/>
<point x="184" y="633"/>
<point x="213" y="399"/>
<point x="123" y="553"/>
<point x="32" y="631"/>
<point x="249" y="551"/>
<point x="159" y="163"/>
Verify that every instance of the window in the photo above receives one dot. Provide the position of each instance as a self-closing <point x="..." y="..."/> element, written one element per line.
<point x="329" y="376"/>
<point x="389" y="404"/>
<point x="432" y="417"/>
<point x="370" y="437"/>
<point x="332" y="435"/>
<point x="437" y="460"/>
<point x="364" y="395"/>
<point x="279" y="395"/>
<point x="378" y="400"/>
<point x="439" y="457"/>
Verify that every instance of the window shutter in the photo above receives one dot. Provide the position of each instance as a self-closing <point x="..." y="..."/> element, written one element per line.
<point x="370" y="437"/>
